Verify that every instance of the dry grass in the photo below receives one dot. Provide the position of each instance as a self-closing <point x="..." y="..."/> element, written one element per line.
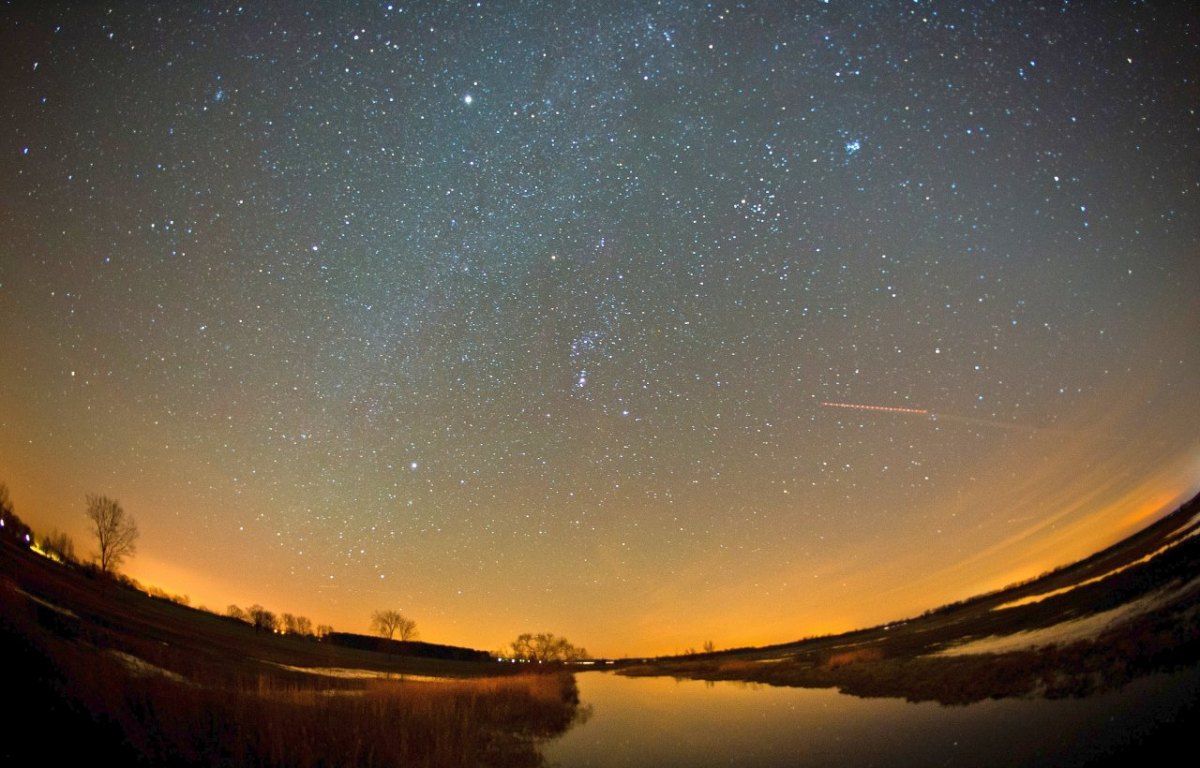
<point x="737" y="667"/>
<point x="149" y="714"/>
<point x="857" y="656"/>
<point x="288" y="723"/>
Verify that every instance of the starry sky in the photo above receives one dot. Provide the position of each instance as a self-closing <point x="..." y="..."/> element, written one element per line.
<point x="543" y="316"/>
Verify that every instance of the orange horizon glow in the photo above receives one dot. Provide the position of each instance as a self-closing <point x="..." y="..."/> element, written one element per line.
<point x="663" y="637"/>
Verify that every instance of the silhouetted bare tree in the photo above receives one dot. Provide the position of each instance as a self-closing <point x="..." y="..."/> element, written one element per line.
<point x="544" y="647"/>
<point x="116" y="532"/>
<point x="392" y="623"/>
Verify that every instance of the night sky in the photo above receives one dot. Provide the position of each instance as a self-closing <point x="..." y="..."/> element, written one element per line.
<point x="531" y="316"/>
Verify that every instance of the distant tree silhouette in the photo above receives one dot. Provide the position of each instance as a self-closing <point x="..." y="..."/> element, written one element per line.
<point x="262" y="619"/>
<point x="58" y="546"/>
<point x="116" y="532"/>
<point x="295" y="625"/>
<point x="234" y="612"/>
<point x="544" y="647"/>
<point x="391" y="623"/>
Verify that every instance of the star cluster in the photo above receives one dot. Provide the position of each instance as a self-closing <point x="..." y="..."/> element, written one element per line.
<point x="521" y="315"/>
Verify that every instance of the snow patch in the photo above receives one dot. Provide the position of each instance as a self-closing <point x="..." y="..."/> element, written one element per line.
<point x="1066" y="632"/>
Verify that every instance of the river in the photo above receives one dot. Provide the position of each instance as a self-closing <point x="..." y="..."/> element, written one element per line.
<point x="663" y="722"/>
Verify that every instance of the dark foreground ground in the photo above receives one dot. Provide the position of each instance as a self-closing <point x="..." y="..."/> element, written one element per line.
<point x="1141" y="599"/>
<point x="111" y="673"/>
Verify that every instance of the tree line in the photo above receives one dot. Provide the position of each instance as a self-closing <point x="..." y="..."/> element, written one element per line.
<point x="542" y="648"/>
<point x="284" y="624"/>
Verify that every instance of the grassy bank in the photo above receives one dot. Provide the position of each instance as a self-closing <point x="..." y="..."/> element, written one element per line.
<point x="1159" y="643"/>
<point x="147" y="700"/>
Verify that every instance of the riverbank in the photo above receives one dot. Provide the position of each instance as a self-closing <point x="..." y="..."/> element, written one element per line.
<point x="115" y="673"/>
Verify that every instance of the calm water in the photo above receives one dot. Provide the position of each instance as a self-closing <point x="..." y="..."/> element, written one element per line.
<point x="662" y="722"/>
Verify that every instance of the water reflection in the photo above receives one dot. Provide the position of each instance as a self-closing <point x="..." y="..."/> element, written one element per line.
<point x="664" y="722"/>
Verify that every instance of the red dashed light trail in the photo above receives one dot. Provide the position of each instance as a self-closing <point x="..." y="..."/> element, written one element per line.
<point x="942" y="417"/>
<point x="884" y="408"/>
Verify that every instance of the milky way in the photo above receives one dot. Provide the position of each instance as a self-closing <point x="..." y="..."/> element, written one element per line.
<point x="526" y="316"/>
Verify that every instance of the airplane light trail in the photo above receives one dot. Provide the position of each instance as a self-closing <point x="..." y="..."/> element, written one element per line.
<point x="884" y="408"/>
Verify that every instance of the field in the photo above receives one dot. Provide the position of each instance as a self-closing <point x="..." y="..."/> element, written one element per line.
<point x="119" y="674"/>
